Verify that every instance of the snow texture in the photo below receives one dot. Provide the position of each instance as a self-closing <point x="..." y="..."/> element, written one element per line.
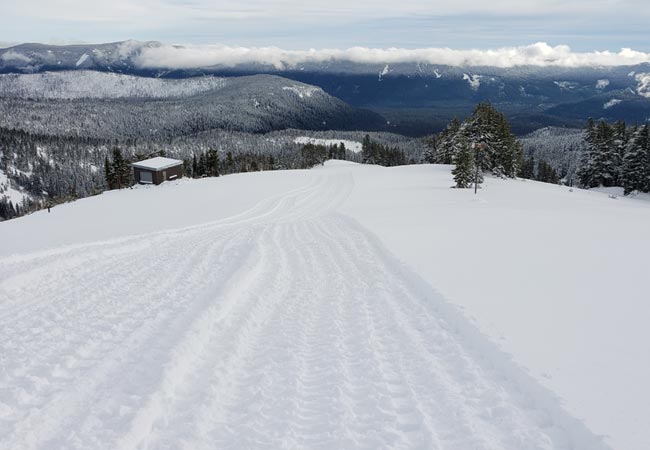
<point x="602" y="84"/>
<point x="89" y="84"/>
<point x="473" y="80"/>
<point x="157" y="163"/>
<point x="302" y="91"/>
<point x="9" y="192"/>
<point x="612" y="102"/>
<point x="643" y="87"/>
<point x="82" y="59"/>
<point x="322" y="309"/>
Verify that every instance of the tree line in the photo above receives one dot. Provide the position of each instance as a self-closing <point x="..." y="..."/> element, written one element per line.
<point x="616" y="155"/>
<point x="483" y="142"/>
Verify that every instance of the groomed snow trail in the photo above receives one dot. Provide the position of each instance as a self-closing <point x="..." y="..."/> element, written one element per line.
<point x="287" y="326"/>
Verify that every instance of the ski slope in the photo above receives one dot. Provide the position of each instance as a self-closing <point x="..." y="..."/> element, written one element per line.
<point x="264" y="313"/>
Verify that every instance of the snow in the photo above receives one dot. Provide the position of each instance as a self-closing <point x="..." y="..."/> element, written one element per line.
<point x="158" y="163"/>
<point x="612" y="102"/>
<point x="353" y="146"/>
<point x="89" y="84"/>
<point x="643" y="87"/>
<point x="384" y="72"/>
<point x="347" y="306"/>
<point x="602" y="84"/>
<point x="82" y="59"/>
<point x="7" y="191"/>
<point x="473" y="80"/>
<point x="302" y="91"/>
<point x="566" y="85"/>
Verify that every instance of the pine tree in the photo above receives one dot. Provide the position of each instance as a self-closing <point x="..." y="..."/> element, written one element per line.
<point x="636" y="164"/>
<point x="464" y="172"/>
<point x="109" y="173"/>
<point x="121" y="170"/>
<point x="546" y="173"/>
<point x="444" y="147"/>
<point x="600" y="164"/>
<point x="212" y="163"/>
<point x="527" y="169"/>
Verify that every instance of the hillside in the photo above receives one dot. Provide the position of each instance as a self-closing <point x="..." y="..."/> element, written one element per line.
<point x="346" y="305"/>
<point x="110" y="106"/>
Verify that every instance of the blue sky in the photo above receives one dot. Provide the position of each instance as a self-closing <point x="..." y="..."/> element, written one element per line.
<point x="462" y="24"/>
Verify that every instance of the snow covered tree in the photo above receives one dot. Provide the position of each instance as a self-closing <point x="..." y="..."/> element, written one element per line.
<point x="636" y="164"/>
<point x="546" y="173"/>
<point x="443" y="151"/>
<point x="601" y="164"/>
<point x="465" y="171"/>
<point x="502" y="153"/>
<point x="118" y="171"/>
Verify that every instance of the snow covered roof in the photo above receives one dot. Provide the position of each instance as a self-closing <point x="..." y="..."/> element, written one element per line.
<point x="158" y="163"/>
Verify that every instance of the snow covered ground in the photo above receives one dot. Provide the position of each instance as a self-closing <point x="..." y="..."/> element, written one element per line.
<point x="353" y="146"/>
<point x="8" y="191"/>
<point x="343" y="307"/>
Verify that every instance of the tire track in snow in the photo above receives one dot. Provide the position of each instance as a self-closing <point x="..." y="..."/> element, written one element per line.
<point x="287" y="326"/>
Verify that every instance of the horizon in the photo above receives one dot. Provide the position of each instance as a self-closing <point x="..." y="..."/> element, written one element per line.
<point x="467" y="24"/>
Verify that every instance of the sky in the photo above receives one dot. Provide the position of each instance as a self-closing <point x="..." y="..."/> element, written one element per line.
<point x="584" y="25"/>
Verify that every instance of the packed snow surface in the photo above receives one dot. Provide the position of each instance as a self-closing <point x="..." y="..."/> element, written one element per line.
<point x="343" y="307"/>
<point x="353" y="146"/>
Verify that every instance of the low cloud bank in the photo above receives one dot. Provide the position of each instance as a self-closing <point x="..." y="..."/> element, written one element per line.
<point x="539" y="54"/>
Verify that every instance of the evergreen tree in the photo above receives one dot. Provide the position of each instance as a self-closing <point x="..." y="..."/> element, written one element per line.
<point x="636" y="164"/>
<point x="445" y="144"/>
<point x="109" y="173"/>
<point x="118" y="172"/>
<point x="527" y="169"/>
<point x="464" y="172"/>
<point x="546" y="173"/>
<point x="212" y="163"/>
<point x="600" y="164"/>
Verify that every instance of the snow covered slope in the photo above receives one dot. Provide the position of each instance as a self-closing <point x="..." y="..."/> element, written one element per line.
<point x="320" y="309"/>
<point x="89" y="84"/>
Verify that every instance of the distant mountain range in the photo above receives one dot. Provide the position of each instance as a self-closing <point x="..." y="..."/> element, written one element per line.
<point x="410" y="98"/>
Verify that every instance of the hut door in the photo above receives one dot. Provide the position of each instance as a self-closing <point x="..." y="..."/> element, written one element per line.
<point x="145" y="177"/>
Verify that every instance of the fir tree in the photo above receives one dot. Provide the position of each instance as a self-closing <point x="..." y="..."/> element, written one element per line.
<point x="636" y="164"/>
<point x="464" y="172"/>
<point x="600" y="164"/>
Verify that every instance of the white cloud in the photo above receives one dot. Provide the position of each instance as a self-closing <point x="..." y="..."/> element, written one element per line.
<point x="539" y="54"/>
<point x="15" y="57"/>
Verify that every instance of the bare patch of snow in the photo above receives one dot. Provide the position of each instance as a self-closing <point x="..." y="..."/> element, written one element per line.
<point x="302" y="91"/>
<point x="82" y="59"/>
<point x="8" y="191"/>
<point x="566" y="85"/>
<point x="643" y="86"/>
<point x="384" y="72"/>
<point x="612" y="102"/>
<point x="602" y="84"/>
<point x="473" y="80"/>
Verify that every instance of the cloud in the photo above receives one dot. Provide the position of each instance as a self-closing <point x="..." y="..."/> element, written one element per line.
<point x="539" y="54"/>
<point x="12" y="56"/>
